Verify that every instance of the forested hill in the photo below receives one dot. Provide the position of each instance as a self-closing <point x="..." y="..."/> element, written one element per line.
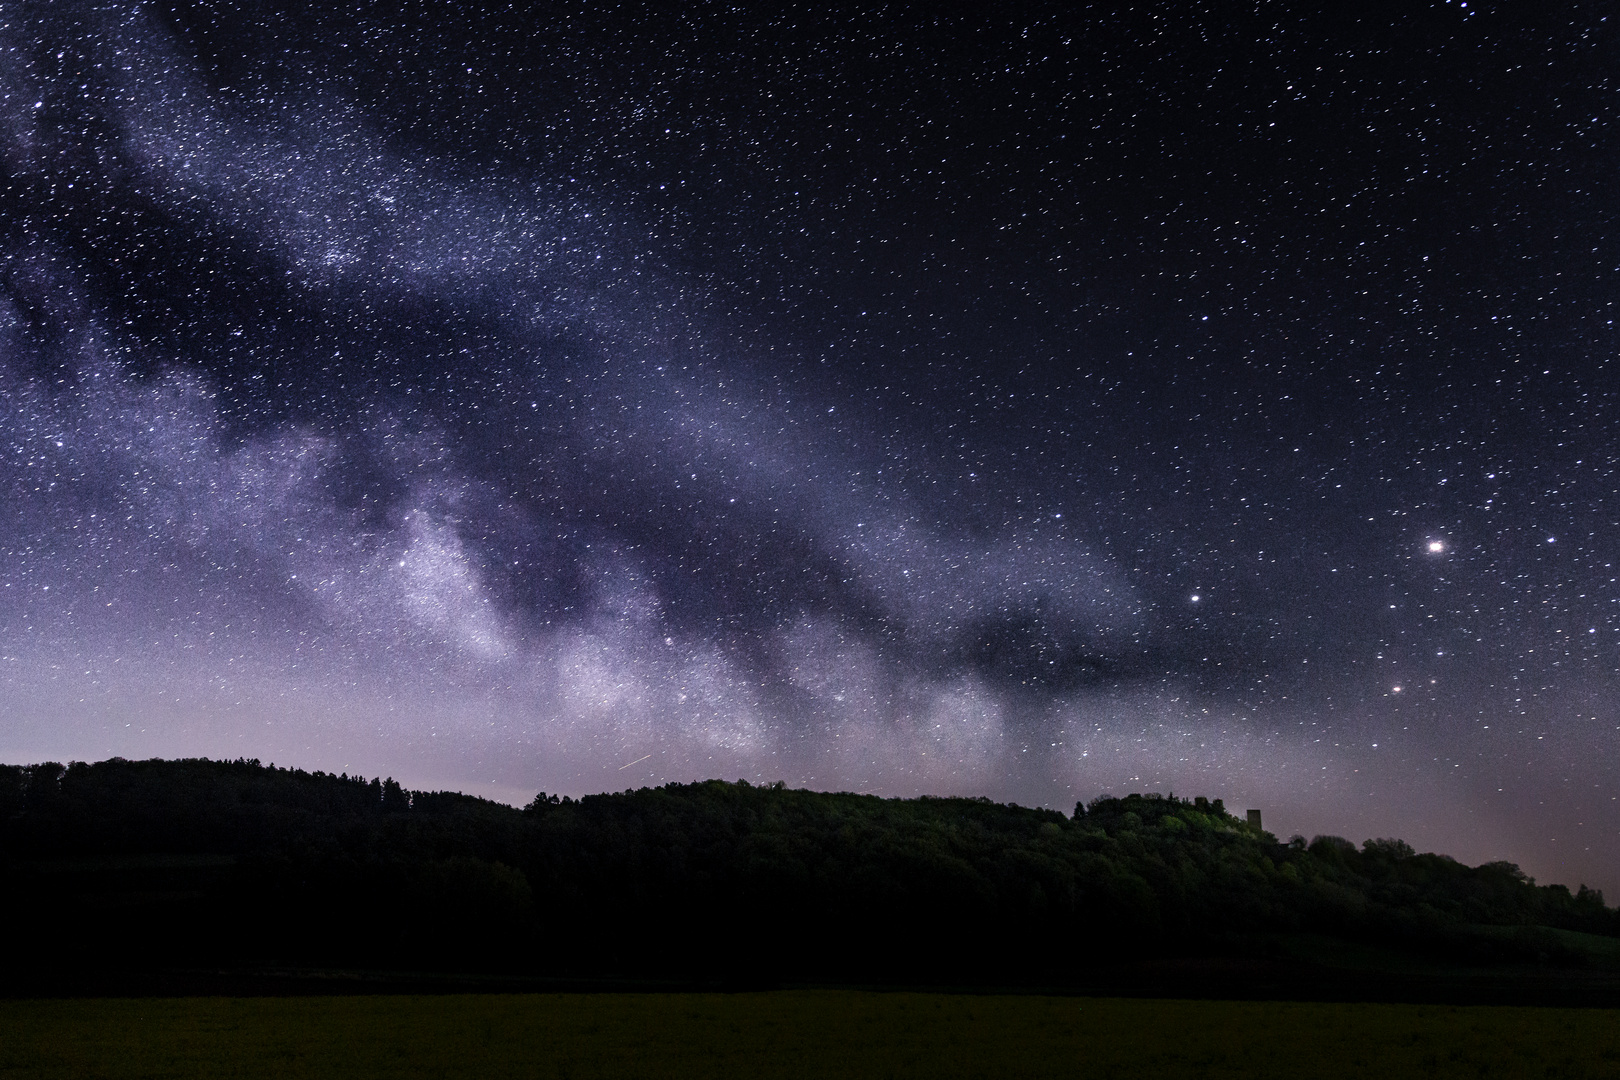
<point x="199" y="862"/>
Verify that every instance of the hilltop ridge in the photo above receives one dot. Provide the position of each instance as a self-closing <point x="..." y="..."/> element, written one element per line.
<point x="141" y="865"/>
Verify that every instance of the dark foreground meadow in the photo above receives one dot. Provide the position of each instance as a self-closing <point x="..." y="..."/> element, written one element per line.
<point x="792" y="1034"/>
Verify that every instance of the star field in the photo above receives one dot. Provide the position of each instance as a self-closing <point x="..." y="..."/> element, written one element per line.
<point x="1033" y="403"/>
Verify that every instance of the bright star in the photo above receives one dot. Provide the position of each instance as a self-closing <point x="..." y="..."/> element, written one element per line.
<point x="1436" y="546"/>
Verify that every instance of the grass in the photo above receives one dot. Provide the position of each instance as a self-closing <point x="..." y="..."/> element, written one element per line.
<point x="791" y="1034"/>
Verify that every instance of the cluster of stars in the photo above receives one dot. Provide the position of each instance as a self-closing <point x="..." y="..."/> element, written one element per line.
<point x="1058" y="397"/>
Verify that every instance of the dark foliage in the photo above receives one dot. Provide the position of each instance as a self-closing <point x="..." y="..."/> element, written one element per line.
<point x="236" y="864"/>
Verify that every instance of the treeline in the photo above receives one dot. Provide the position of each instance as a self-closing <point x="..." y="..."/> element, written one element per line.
<point x="235" y="864"/>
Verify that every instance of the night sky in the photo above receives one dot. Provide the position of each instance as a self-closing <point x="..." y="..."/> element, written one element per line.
<point x="1025" y="401"/>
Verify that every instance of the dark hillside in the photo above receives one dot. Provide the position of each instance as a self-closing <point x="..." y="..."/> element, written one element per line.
<point x="124" y="865"/>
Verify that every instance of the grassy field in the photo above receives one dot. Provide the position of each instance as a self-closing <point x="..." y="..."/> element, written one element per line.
<point x="791" y="1034"/>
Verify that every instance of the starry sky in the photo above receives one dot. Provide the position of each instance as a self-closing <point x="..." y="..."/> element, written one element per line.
<point x="1031" y="401"/>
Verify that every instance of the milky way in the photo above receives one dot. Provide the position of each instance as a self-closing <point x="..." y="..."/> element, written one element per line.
<point x="1033" y="405"/>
